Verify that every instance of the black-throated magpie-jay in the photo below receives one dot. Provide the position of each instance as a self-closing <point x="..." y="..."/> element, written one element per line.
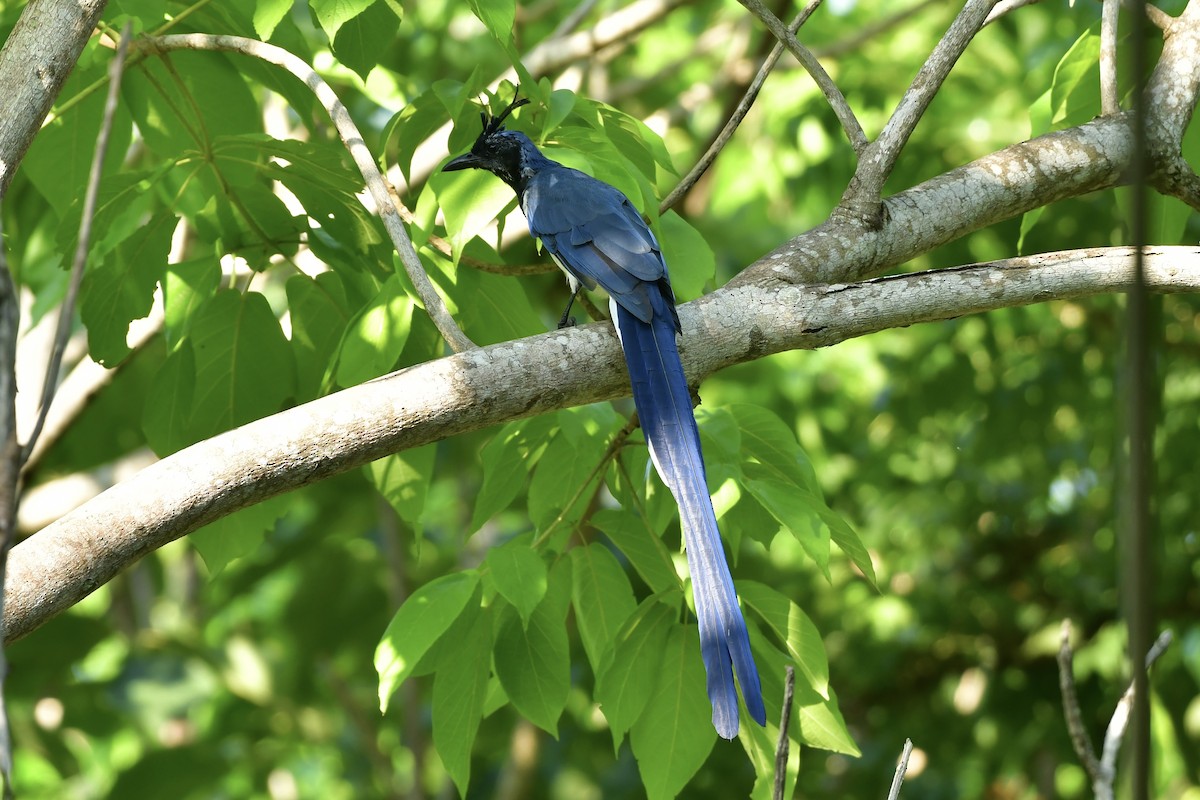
<point x="597" y="237"/>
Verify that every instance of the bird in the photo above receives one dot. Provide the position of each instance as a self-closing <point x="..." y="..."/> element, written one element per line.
<point x="597" y="238"/>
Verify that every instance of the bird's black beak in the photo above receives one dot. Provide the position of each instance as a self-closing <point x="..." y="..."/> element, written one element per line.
<point x="468" y="161"/>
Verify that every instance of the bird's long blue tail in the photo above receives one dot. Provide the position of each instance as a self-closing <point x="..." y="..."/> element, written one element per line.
<point x="664" y="405"/>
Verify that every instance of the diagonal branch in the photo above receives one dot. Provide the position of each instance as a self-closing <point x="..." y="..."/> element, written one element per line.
<point x="376" y="183"/>
<point x="875" y="164"/>
<point x="67" y="560"/>
<point x="834" y="96"/>
<point x="66" y="310"/>
<point x="738" y="115"/>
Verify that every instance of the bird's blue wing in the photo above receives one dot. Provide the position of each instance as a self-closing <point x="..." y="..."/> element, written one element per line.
<point x="594" y="233"/>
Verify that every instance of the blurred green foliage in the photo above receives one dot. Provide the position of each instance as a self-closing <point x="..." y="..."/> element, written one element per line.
<point x="977" y="458"/>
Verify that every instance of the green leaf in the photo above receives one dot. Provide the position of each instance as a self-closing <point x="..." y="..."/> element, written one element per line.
<point x="492" y="308"/>
<point x="625" y="684"/>
<point x="187" y="287"/>
<point x="374" y="340"/>
<point x="641" y="545"/>
<point x="533" y="661"/>
<point x="688" y="256"/>
<point x="497" y="16"/>
<point x="1075" y="90"/>
<point x="333" y="14"/>
<point x="244" y="367"/>
<point x="793" y="627"/>
<point x="168" y="410"/>
<point x="518" y="573"/>
<point x="60" y="156"/>
<point x="602" y="597"/>
<point x="767" y="440"/>
<point x="566" y="470"/>
<point x="796" y="510"/>
<point x="504" y="472"/>
<point x="268" y="14"/>
<point x="403" y="479"/>
<point x="459" y="690"/>
<point x="674" y="735"/>
<point x="120" y="288"/>
<point x="470" y="201"/>
<point x="317" y="307"/>
<point x="418" y="625"/>
<point x="238" y="534"/>
<point x="362" y="41"/>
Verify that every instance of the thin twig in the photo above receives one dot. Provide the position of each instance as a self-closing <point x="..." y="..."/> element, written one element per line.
<point x="1109" y="100"/>
<point x="901" y="768"/>
<point x="1071" y="711"/>
<point x="1006" y="6"/>
<point x="739" y="114"/>
<point x="784" y="743"/>
<point x="376" y="183"/>
<point x="1120" y="718"/>
<point x="66" y="311"/>
<point x="833" y="95"/>
<point x="10" y="477"/>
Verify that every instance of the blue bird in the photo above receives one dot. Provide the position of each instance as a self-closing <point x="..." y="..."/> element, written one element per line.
<point x="597" y="238"/>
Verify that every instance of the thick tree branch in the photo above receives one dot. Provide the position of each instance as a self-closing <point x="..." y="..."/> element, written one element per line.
<point x="1171" y="96"/>
<point x="996" y="187"/>
<point x="381" y="193"/>
<point x="1109" y="102"/>
<point x="64" y="562"/>
<point x="37" y="57"/>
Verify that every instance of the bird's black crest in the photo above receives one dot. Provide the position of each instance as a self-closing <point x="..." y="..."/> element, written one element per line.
<point x="495" y="124"/>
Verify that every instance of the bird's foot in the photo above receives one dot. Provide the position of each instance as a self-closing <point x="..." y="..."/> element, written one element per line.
<point x="566" y="322"/>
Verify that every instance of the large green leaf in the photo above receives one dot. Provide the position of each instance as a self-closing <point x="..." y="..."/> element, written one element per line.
<point x="602" y="598"/>
<point x="425" y="616"/>
<point x="633" y="672"/>
<point x="375" y="338"/>
<point x="674" y="734"/>
<point x="641" y="545"/>
<point x="519" y="574"/>
<point x="792" y="626"/>
<point x="120" y="288"/>
<point x="244" y="367"/>
<point x="238" y="534"/>
<point x="533" y="661"/>
<point x="459" y="692"/>
<point x="362" y="40"/>
<point x="403" y="479"/>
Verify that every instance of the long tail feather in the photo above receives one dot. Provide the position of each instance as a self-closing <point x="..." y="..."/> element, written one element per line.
<point x="664" y="405"/>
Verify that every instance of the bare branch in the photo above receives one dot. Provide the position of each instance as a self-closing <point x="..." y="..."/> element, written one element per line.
<point x="738" y="115"/>
<point x="784" y="742"/>
<point x="1159" y="18"/>
<point x="876" y="162"/>
<point x="10" y="474"/>
<point x="1006" y="6"/>
<point x="1120" y="718"/>
<point x="67" y="560"/>
<point x="1109" y="102"/>
<point x="833" y="95"/>
<point x="901" y="768"/>
<point x="1171" y="96"/>
<point x="66" y="311"/>
<point x="376" y="183"/>
<point x="1066" y="682"/>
